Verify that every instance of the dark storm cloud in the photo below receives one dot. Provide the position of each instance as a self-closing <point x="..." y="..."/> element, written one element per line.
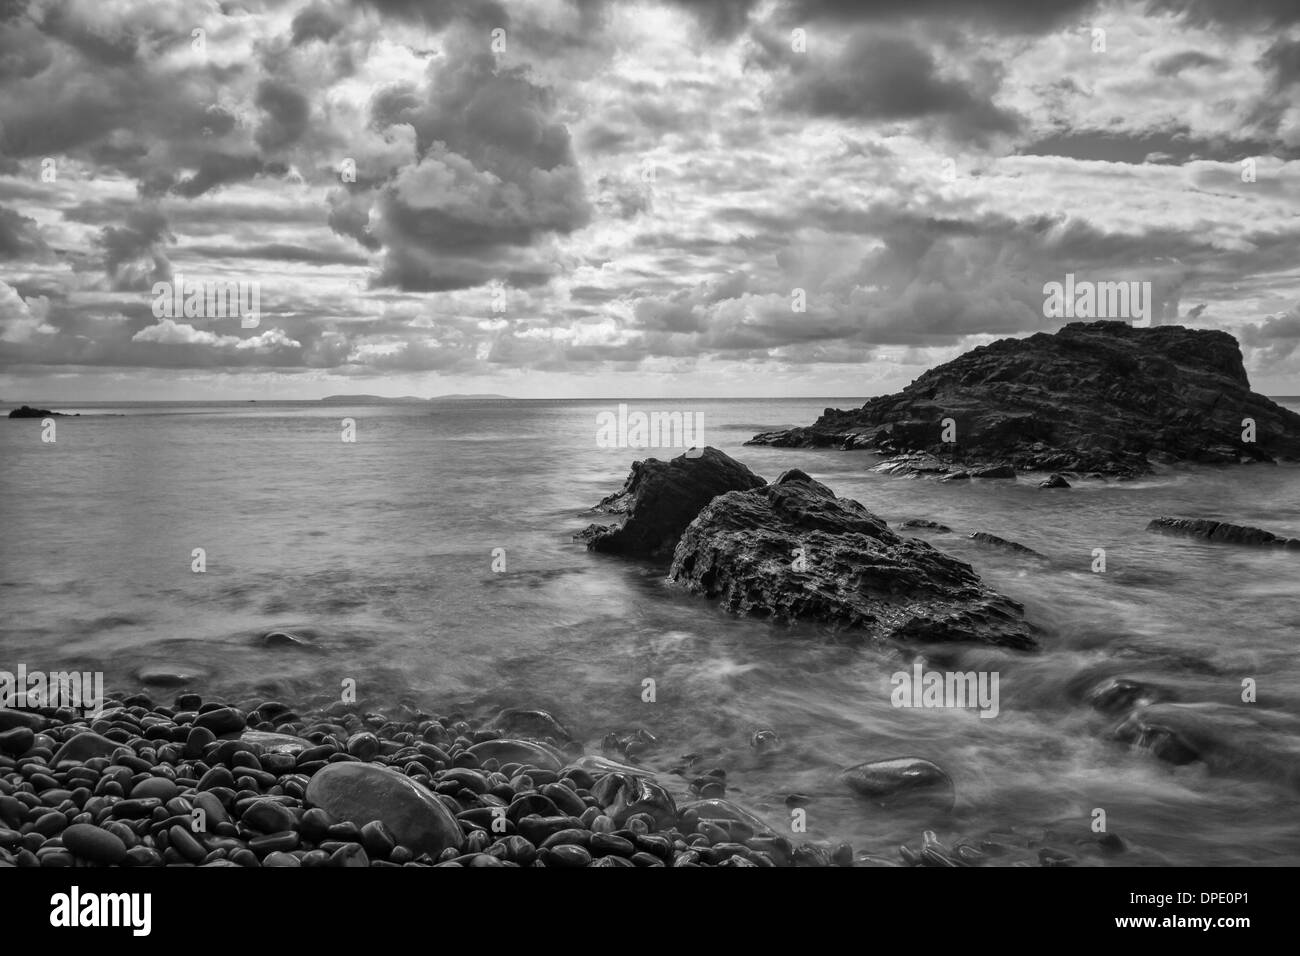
<point x="19" y="237"/>
<point x="1016" y="15"/>
<point x="1176" y="63"/>
<point x="218" y="169"/>
<point x="1283" y="60"/>
<point x="882" y="77"/>
<point x="134" y="253"/>
<point x="316" y="21"/>
<point x="1233" y="13"/>
<point x="286" y="114"/>
<point x="441" y="13"/>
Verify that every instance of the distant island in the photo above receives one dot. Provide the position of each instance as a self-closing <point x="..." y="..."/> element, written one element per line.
<point x="361" y="399"/>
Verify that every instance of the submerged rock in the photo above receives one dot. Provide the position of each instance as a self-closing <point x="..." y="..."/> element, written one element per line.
<point x="1221" y="532"/>
<point x="794" y="551"/>
<point x="1120" y="695"/>
<point x="1100" y="397"/>
<point x="168" y="675"/>
<point x="660" y="498"/>
<point x="362" y="792"/>
<point x="927" y="525"/>
<point x="529" y="752"/>
<point x="902" y="781"/>
<point x="529" y="722"/>
<point x="1236" y="741"/>
<point x="739" y="822"/>
<point x="983" y="537"/>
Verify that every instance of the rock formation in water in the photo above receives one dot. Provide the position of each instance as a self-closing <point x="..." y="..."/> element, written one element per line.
<point x="1222" y="532"/>
<point x="792" y="551"/>
<point x="660" y="498"/>
<point x="1098" y="397"/>
<point x="27" y="411"/>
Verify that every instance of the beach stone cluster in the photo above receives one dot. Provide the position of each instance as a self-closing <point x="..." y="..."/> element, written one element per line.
<point x="205" y="783"/>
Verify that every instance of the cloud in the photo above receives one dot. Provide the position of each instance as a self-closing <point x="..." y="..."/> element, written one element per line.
<point x="890" y="78"/>
<point x="134" y="254"/>
<point x="20" y="237"/>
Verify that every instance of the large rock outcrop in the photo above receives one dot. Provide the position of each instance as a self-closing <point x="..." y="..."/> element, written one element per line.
<point x="1100" y="397"/>
<point x="660" y="498"/>
<point x="793" y="551"/>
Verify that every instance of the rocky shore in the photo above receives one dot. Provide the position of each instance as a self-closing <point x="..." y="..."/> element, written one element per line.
<point x="201" y="783"/>
<point x="1099" y="399"/>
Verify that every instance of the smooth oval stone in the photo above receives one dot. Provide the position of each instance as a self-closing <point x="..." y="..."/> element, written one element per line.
<point x="93" y="844"/>
<point x="363" y="746"/>
<point x="362" y="792"/>
<point x="11" y="717"/>
<point x="717" y="809"/>
<point x="273" y="743"/>
<point x="902" y="781"/>
<point x="269" y="816"/>
<point x="223" y="720"/>
<point x="507" y="750"/>
<point x="17" y="741"/>
<point x="83" y="747"/>
<point x="159" y="787"/>
<point x="567" y="800"/>
<point x="567" y="855"/>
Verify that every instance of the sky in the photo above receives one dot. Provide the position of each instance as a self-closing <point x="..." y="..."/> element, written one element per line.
<point x="628" y="199"/>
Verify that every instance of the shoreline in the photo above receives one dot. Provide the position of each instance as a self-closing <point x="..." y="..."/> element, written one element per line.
<point x="200" y="783"/>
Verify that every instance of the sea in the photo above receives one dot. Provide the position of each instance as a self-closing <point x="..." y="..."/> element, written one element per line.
<point x="430" y="563"/>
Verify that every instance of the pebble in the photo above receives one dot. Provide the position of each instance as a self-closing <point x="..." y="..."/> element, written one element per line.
<point x="94" y="844"/>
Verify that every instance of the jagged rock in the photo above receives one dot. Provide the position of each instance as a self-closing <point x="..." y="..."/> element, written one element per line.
<point x="994" y="471"/>
<point x="1222" y="532"/>
<point x="852" y="572"/>
<point x="1055" y="481"/>
<point x="1093" y="397"/>
<point x="660" y="498"/>
<point x="983" y="537"/>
